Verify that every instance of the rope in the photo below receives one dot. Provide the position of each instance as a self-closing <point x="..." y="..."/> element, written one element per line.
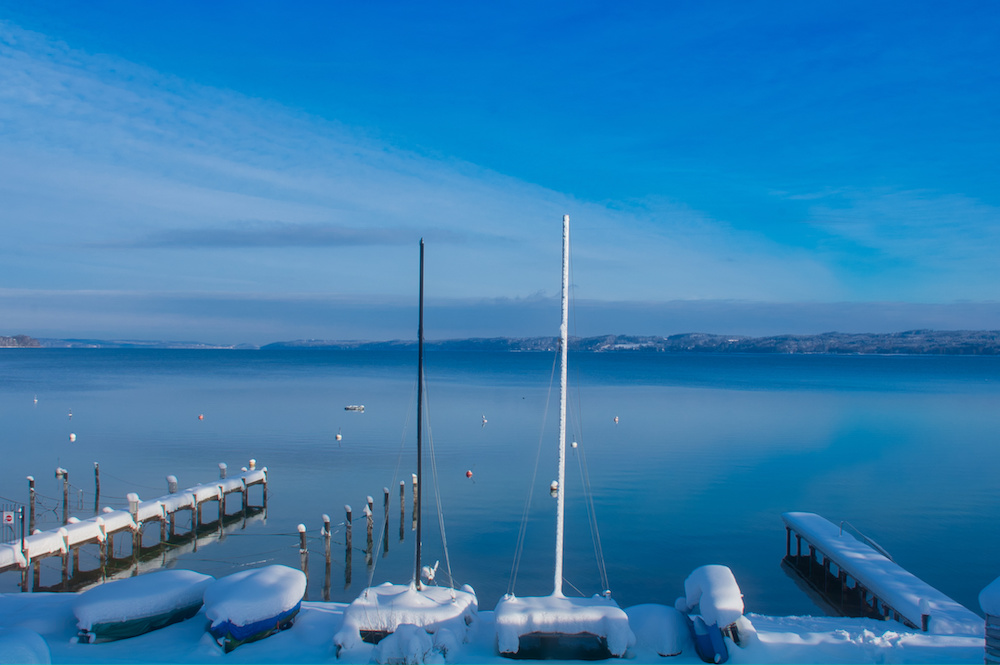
<point x="522" y="531"/>
<point x="437" y="496"/>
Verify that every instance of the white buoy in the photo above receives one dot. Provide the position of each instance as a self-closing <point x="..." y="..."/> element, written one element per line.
<point x="554" y="488"/>
<point x="616" y="420"/>
<point x="573" y="445"/>
<point x="339" y="435"/>
<point x="72" y="437"/>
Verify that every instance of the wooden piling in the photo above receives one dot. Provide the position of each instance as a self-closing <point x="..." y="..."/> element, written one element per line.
<point x="416" y="492"/>
<point x="385" y="523"/>
<point x="31" y="504"/>
<point x="304" y="554"/>
<point x="64" y="474"/>
<point x="402" y="508"/>
<point x="370" y="523"/>
<point x="97" y="488"/>
<point x="326" y="551"/>
<point x="348" y="549"/>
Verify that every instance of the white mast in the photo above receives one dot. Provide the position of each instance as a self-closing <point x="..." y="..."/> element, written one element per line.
<point x="563" y="346"/>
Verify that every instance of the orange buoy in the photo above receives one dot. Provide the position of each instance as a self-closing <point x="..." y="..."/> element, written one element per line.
<point x="201" y="416"/>
<point x="468" y="474"/>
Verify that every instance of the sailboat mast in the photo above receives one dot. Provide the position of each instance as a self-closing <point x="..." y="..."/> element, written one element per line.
<point x="420" y="413"/>
<point x="563" y="347"/>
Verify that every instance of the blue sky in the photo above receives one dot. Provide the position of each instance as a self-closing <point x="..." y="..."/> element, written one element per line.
<point x="249" y="172"/>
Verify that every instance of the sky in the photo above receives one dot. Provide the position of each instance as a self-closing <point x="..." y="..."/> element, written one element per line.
<point x="250" y="172"/>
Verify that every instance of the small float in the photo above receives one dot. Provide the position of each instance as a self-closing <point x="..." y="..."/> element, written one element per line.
<point x="360" y="408"/>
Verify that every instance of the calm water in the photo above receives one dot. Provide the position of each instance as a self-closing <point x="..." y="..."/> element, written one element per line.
<point x="707" y="453"/>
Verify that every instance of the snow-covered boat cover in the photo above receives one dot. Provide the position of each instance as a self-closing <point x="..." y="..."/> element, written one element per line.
<point x="597" y="616"/>
<point x="134" y="605"/>
<point x="714" y="590"/>
<point x="903" y="591"/>
<point x="385" y="607"/>
<point x="239" y="604"/>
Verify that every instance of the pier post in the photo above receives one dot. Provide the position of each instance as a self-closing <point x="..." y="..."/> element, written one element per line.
<point x="64" y="474"/>
<point x="416" y="491"/>
<point x="65" y="560"/>
<point x="326" y="551"/>
<point x="385" y="524"/>
<point x="97" y="488"/>
<point x="133" y="507"/>
<point x="370" y="523"/>
<point x="402" y="508"/>
<point x="223" y="469"/>
<point x="304" y="554"/>
<point x="347" y="549"/>
<point x="31" y="505"/>
<point x="326" y="537"/>
<point x="171" y="484"/>
<point x="788" y="542"/>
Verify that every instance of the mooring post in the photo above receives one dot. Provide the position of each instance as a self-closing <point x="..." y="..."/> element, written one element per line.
<point x="416" y="491"/>
<point x="370" y="519"/>
<point x="24" y="571"/>
<point x="304" y="554"/>
<point x="31" y="504"/>
<point x="326" y="551"/>
<point x="385" y="524"/>
<point x="326" y="536"/>
<point x="65" y="560"/>
<point x="133" y="507"/>
<point x="97" y="488"/>
<point x="64" y="474"/>
<point x="402" y="508"/>
<point x="347" y="549"/>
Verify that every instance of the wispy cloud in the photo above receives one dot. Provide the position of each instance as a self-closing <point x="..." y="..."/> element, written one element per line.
<point x="249" y="234"/>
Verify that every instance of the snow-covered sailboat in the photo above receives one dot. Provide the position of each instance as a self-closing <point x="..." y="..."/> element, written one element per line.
<point x="556" y="626"/>
<point x="380" y="610"/>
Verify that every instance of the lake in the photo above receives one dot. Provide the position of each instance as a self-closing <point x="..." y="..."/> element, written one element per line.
<point x="707" y="452"/>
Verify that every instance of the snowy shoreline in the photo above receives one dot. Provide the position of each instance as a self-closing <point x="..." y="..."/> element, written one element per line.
<point x="310" y="639"/>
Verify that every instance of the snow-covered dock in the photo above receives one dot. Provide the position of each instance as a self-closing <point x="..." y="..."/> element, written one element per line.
<point x="857" y="579"/>
<point x="101" y="529"/>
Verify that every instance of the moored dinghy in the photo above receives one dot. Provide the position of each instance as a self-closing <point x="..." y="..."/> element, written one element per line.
<point x="556" y="626"/>
<point x="253" y="604"/>
<point x="136" y="605"/>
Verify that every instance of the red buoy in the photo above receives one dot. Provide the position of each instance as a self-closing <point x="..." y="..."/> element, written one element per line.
<point x="201" y="416"/>
<point x="468" y="474"/>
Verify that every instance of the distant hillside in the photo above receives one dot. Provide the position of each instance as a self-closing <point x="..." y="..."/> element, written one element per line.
<point x="916" y="342"/>
<point x="18" y="342"/>
<point x="921" y="342"/>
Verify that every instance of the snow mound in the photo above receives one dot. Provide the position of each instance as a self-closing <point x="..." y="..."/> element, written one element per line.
<point x="714" y="591"/>
<point x="23" y="646"/>
<point x="599" y="616"/>
<point x="384" y="608"/>
<point x="660" y="628"/>
<point x="412" y="645"/>
<point x="136" y="605"/>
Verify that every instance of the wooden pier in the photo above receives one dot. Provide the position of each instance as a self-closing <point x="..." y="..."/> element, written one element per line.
<point x="855" y="577"/>
<point x="102" y="529"/>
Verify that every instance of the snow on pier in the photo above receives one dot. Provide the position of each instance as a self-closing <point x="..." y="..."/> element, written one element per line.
<point x="881" y="587"/>
<point x="101" y="528"/>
